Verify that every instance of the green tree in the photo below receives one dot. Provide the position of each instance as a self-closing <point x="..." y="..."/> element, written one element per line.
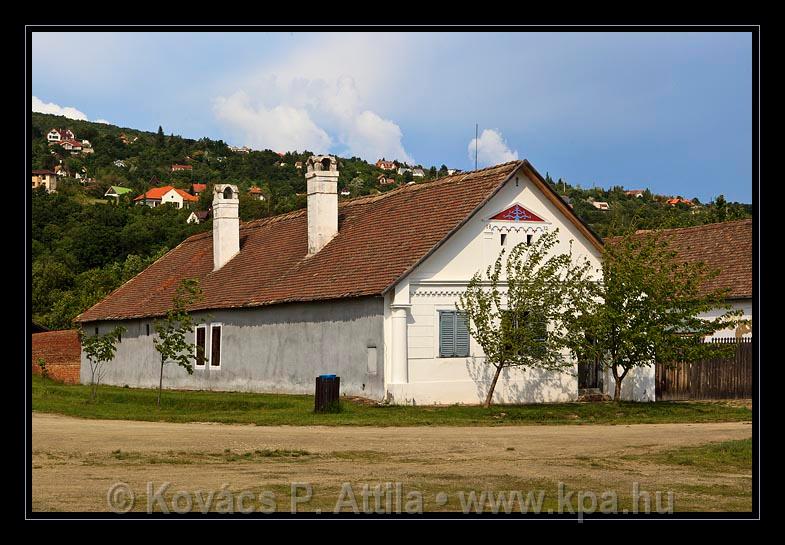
<point x="645" y="310"/>
<point x="160" y="139"/>
<point x="99" y="350"/>
<point x="520" y="311"/>
<point x="172" y="331"/>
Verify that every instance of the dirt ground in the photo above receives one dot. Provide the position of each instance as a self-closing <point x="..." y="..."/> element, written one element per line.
<point x="77" y="465"/>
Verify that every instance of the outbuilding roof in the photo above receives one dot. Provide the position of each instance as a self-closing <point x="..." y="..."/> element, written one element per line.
<point x="724" y="246"/>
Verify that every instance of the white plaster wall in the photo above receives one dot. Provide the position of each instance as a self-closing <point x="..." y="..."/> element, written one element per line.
<point x="436" y="284"/>
<point x="745" y="305"/>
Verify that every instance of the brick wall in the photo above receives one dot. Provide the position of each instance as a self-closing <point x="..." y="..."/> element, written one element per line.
<point x="61" y="351"/>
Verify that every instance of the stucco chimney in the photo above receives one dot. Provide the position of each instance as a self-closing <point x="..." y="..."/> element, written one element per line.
<point x="322" y="177"/>
<point x="226" y="224"/>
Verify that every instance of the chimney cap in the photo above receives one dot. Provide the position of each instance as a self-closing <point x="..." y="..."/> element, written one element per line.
<point x="225" y="192"/>
<point x="321" y="164"/>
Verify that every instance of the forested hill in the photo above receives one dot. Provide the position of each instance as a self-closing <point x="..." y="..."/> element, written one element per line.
<point x="83" y="248"/>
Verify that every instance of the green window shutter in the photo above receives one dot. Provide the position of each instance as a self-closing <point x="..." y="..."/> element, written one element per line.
<point x="446" y="334"/>
<point x="461" y="335"/>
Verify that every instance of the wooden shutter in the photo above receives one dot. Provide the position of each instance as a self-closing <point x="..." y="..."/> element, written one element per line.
<point x="215" y="349"/>
<point x="201" y="346"/>
<point x="446" y="334"/>
<point x="461" y="335"/>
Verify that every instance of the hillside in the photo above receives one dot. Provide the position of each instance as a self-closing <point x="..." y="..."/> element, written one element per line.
<point x="82" y="248"/>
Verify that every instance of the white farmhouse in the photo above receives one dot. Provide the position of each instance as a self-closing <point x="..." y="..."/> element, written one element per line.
<point x="364" y="288"/>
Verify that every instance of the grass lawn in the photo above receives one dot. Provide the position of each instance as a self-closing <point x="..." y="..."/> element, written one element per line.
<point x="277" y="409"/>
<point x="727" y="456"/>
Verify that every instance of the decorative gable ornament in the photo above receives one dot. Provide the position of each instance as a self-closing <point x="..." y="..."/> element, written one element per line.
<point x="517" y="213"/>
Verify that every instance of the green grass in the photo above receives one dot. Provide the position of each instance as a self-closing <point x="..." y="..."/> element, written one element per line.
<point x="723" y="457"/>
<point x="116" y="403"/>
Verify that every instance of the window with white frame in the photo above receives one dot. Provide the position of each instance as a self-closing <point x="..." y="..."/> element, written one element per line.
<point x="200" y="341"/>
<point x="453" y="334"/>
<point x="215" y="346"/>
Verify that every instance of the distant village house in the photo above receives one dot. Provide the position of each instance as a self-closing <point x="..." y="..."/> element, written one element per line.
<point x="58" y="135"/>
<point x="45" y="178"/>
<point x="385" y="165"/>
<point x="167" y="194"/>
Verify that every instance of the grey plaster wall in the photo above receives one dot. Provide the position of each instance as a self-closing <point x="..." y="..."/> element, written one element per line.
<point x="280" y="348"/>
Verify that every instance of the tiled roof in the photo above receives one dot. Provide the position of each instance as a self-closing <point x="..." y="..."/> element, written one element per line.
<point x="159" y="192"/>
<point x="725" y="246"/>
<point x="380" y="239"/>
<point x="198" y="188"/>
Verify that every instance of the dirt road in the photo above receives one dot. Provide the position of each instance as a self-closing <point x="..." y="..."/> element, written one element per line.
<point x="75" y="462"/>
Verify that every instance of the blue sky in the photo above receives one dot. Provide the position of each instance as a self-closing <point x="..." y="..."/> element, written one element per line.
<point x="667" y="111"/>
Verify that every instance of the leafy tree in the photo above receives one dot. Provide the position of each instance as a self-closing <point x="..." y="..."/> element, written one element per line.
<point x="99" y="350"/>
<point x="172" y="331"/>
<point x="521" y="311"/>
<point x="160" y="139"/>
<point x="645" y="310"/>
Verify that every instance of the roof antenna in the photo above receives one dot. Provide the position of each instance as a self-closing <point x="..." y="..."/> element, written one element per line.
<point x="476" y="136"/>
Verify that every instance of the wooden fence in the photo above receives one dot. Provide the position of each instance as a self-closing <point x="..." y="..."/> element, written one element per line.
<point x="716" y="378"/>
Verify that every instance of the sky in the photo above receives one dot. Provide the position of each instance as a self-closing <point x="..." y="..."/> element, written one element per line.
<point x="671" y="112"/>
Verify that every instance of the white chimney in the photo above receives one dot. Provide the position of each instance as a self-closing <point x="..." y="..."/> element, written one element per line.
<point x="226" y="224"/>
<point x="322" y="177"/>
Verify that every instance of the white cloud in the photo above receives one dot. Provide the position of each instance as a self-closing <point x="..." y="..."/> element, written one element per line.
<point x="70" y="112"/>
<point x="372" y="137"/>
<point x="324" y="94"/>
<point x="55" y="109"/>
<point x="491" y="148"/>
<point x="280" y="128"/>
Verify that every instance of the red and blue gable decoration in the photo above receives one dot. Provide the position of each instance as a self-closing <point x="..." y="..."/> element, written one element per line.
<point x="517" y="213"/>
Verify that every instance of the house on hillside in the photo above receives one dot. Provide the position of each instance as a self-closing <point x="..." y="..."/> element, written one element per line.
<point x="119" y="163"/>
<point x="418" y="173"/>
<point x="364" y="288"/>
<point x="198" y="189"/>
<point x="58" y="135"/>
<point x="167" y="194"/>
<point x="182" y="168"/>
<point x="116" y="191"/>
<point x="600" y="205"/>
<point x="637" y="193"/>
<point x="45" y="178"/>
<point x="256" y="193"/>
<point x="678" y="200"/>
<point x="451" y="171"/>
<point x="385" y="165"/>
<point x="74" y="146"/>
<point x="127" y="140"/>
<point x="385" y="180"/>
<point x="403" y="170"/>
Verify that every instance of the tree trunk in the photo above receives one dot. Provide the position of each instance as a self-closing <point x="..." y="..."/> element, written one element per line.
<point x="489" y="397"/>
<point x="618" y="379"/>
<point x="160" y="383"/>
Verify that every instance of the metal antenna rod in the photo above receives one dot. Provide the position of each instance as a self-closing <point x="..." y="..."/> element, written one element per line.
<point x="476" y="142"/>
